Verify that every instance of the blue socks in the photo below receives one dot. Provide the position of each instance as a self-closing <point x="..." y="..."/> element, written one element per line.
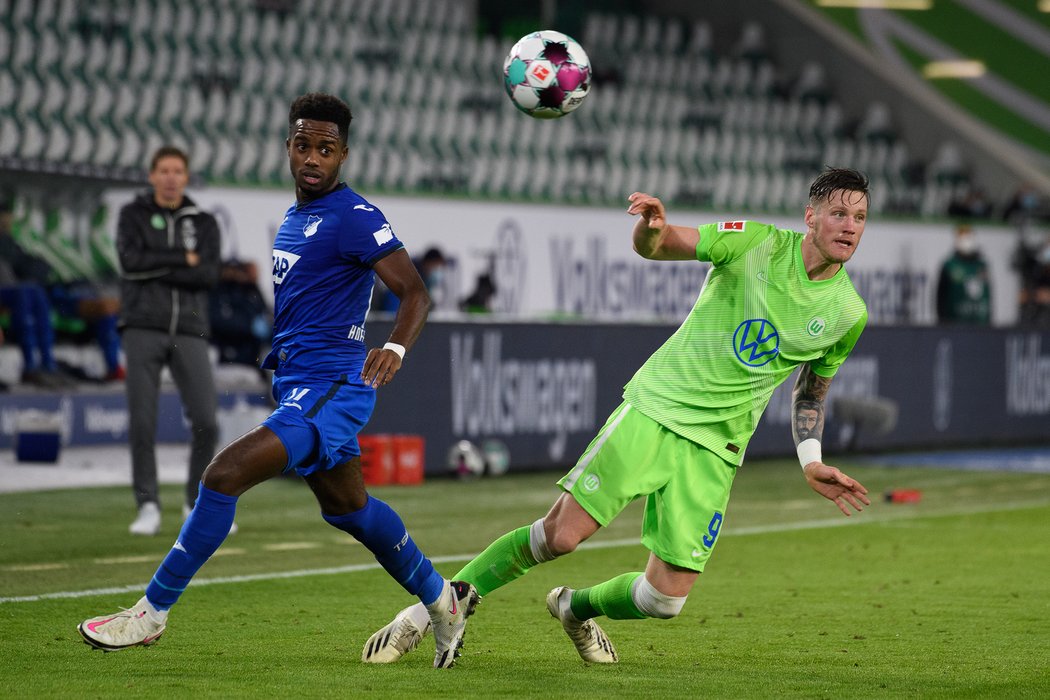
<point x="202" y="533"/>
<point x="379" y="528"/>
<point x="376" y="526"/>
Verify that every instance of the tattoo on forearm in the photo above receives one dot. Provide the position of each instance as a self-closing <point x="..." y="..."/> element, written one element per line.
<point x="808" y="405"/>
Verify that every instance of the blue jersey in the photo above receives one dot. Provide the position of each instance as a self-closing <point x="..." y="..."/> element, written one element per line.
<point x="322" y="280"/>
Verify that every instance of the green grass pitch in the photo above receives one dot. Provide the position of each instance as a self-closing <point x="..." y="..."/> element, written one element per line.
<point x="947" y="598"/>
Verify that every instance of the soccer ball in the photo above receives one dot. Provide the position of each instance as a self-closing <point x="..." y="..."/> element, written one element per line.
<point x="547" y="74"/>
<point x="465" y="460"/>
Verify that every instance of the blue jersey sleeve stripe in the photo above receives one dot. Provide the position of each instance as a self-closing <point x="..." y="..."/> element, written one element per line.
<point x="371" y="262"/>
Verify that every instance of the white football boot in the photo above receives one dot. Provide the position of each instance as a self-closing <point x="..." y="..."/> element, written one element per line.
<point x="449" y="620"/>
<point x="399" y="637"/>
<point x="590" y="640"/>
<point x="128" y="628"/>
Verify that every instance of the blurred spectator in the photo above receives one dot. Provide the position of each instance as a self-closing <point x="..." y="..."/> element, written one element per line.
<point x="3" y="385"/>
<point x="169" y="255"/>
<point x="963" y="288"/>
<point x="1033" y="264"/>
<point x="973" y="204"/>
<point x="29" y="310"/>
<point x="29" y="315"/>
<point x="480" y="300"/>
<point x="241" y="320"/>
<point x="431" y="267"/>
<point x="31" y="294"/>
<point x="1025" y="205"/>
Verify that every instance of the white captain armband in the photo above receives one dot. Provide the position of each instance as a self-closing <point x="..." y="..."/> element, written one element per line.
<point x="400" y="351"/>
<point x="809" y="451"/>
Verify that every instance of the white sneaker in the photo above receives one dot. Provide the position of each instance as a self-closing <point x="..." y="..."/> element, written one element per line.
<point x="133" y="627"/>
<point x="148" y="521"/>
<point x="590" y="640"/>
<point x="186" y="510"/>
<point x="449" y="620"/>
<point x="399" y="637"/>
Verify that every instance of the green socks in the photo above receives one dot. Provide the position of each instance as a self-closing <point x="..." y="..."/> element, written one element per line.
<point x="505" y="560"/>
<point x="612" y="599"/>
<point x="511" y="556"/>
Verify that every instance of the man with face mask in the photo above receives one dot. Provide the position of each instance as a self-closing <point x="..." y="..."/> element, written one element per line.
<point x="431" y="268"/>
<point x="964" y="294"/>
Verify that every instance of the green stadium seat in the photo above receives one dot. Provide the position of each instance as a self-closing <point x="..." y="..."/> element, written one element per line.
<point x="106" y="145"/>
<point x="102" y="249"/>
<point x="27" y="229"/>
<point x="101" y="105"/>
<point x="59" y="140"/>
<point x="247" y="157"/>
<point x="245" y="40"/>
<point x="82" y="143"/>
<point x="10" y="136"/>
<point x="139" y="60"/>
<point x="59" y="236"/>
<point x="8" y="92"/>
<point x="22" y="12"/>
<point x="223" y="159"/>
<point x="684" y="109"/>
<point x="32" y="139"/>
<point x="96" y="55"/>
<point x="130" y="154"/>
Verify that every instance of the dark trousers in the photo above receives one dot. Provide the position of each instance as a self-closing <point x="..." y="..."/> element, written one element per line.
<point x="147" y="352"/>
<point x="31" y="324"/>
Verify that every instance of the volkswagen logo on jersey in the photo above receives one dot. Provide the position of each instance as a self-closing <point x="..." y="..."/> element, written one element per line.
<point x="756" y="342"/>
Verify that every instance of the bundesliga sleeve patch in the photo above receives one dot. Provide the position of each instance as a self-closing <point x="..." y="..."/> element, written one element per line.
<point x="731" y="225"/>
<point x="383" y="235"/>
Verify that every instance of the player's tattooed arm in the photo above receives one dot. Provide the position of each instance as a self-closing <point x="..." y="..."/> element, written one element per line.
<point x="807" y="405"/>
<point x="808" y="411"/>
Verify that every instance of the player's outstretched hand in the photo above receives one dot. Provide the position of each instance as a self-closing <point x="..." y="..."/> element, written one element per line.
<point x="380" y="367"/>
<point x="837" y="487"/>
<point x="649" y="208"/>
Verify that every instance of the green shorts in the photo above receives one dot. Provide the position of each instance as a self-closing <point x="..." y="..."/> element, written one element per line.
<point x="686" y="485"/>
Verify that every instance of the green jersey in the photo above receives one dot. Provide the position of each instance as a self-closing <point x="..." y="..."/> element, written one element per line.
<point x="758" y="317"/>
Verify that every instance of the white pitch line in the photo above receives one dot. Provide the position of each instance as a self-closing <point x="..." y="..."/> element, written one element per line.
<point x="605" y="544"/>
<point x="132" y="559"/>
<point x="290" y="546"/>
<point x="54" y="566"/>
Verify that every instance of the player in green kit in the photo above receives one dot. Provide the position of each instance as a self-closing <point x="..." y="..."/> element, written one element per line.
<point x="773" y="301"/>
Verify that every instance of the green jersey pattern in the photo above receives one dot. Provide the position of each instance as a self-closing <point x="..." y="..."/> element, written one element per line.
<point x="758" y="317"/>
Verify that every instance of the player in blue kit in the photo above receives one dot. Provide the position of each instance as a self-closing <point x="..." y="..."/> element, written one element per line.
<point x="328" y="250"/>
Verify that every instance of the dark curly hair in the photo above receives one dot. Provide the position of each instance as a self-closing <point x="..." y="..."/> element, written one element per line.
<point x="321" y="107"/>
<point x="833" y="179"/>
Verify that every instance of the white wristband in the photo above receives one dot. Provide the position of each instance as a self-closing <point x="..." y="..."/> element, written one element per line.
<point x="399" y="349"/>
<point x="809" y="451"/>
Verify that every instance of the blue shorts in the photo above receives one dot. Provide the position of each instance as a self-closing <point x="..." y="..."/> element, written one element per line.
<point x="318" y="421"/>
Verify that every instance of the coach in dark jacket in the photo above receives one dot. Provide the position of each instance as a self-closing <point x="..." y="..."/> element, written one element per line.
<point x="169" y="257"/>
